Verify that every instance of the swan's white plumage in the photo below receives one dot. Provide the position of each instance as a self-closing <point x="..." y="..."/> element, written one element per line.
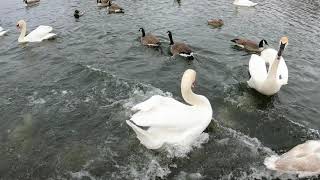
<point x="2" y="31"/>
<point x="304" y="159"/>
<point x="265" y="80"/>
<point x="247" y="3"/>
<point x="269" y="55"/>
<point x="39" y="34"/>
<point x="169" y="121"/>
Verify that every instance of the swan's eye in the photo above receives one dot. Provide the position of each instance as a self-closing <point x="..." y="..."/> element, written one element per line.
<point x="17" y="25"/>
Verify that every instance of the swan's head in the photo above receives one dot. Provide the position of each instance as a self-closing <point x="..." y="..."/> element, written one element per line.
<point x="188" y="79"/>
<point x="21" y="24"/>
<point x="283" y="43"/>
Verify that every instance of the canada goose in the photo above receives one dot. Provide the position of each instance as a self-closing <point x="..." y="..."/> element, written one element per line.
<point x="31" y="2"/>
<point x="114" y="8"/>
<point x="250" y="45"/>
<point x="179" y="48"/>
<point x="149" y="39"/>
<point x="268" y="82"/>
<point x="2" y="31"/>
<point x="78" y="14"/>
<point x="103" y="3"/>
<point x="37" y="35"/>
<point x="247" y="3"/>
<point x="303" y="159"/>
<point x="215" y="22"/>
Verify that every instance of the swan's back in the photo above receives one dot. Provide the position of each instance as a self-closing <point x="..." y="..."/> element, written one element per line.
<point x="39" y="34"/>
<point x="303" y="159"/>
<point x="257" y="69"/>
<point x="162" y="120"/>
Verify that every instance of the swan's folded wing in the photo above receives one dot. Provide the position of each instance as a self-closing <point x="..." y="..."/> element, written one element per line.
<point x="39" y="33"/>
<point x="257" y="68"/>
<point x="167" y="113"/>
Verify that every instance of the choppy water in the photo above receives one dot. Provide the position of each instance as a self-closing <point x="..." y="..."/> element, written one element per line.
<point x="63" y="103"/>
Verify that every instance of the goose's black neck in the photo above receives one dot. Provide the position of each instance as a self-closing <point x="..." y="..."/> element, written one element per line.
<point x="170" y="37"/>
<point x="143" y="33"/>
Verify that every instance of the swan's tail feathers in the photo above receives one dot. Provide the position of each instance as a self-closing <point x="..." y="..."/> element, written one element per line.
<point x="50" y="36"/>
<point x="270" y="162"/>
<point x="148" y="104"/>
<point x="144" y="136"/>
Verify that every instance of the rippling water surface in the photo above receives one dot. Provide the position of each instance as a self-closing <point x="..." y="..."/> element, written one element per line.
<point x="64" y="102"/>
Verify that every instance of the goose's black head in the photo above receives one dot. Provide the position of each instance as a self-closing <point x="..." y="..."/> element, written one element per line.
<point x="142" y="31"/>
<point x="262" y="43"/>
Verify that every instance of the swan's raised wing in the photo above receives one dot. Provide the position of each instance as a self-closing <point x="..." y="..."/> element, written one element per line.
<point x="269" y="55"/>
<point x="39" y="33"/>
<point x="257" y="68"/>
<point x="165" y="112"/>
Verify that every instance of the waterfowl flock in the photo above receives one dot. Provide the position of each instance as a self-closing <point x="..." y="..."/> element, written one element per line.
<point x="163" y="120"/>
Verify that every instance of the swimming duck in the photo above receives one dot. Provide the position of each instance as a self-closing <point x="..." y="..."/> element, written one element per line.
<point x="179" y="48"/>
<point x="77" y="14"/>
<point x="161" y="120"/>
<point x="2" y="31"/>
<point x="37" y="35"/>
<point x="149" y="39"/>
<point x="247" y="3"/>
<point x="30" y="2"/>
<point x="303" y="159"/>
<point x="114" y="8"/>
<point x="215" y="22"/>
<point x="250" y="45"/>
<point x="267" y="83"/>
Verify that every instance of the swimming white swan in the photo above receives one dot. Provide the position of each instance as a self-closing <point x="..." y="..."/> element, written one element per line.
<point x="247" y="3"/>
<point x="37" y="35"/>
<point x="304" y="160"/>
<point x="162" y="120"/>
<point x="268" y="83"/>
<point x="2" y="31"/>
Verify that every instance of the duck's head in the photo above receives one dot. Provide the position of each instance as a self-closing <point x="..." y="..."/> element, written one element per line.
<point x="21" y="24"/>
<point x="76" y="11"/>
<point x="25" y="1"/>
<point x="283" y="43"/>
<point x="188" y="79"/>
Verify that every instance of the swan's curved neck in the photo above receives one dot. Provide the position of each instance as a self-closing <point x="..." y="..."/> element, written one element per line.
<point x="23" y="33"/>
<point x="274" y="67"/>
<point x="192" y="98"/>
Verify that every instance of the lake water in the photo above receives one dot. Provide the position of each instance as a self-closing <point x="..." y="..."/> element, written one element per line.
<point x="64" y="102"/>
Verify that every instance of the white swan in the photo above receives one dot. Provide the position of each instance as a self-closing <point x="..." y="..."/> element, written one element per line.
<point x="304" y="160"/>
<point x="268" y="83"/>
<point x="162" y="120"/>
<point x="37" y="35"/>
<point x="247" y="3"/>
<point x="2" y="31"/>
